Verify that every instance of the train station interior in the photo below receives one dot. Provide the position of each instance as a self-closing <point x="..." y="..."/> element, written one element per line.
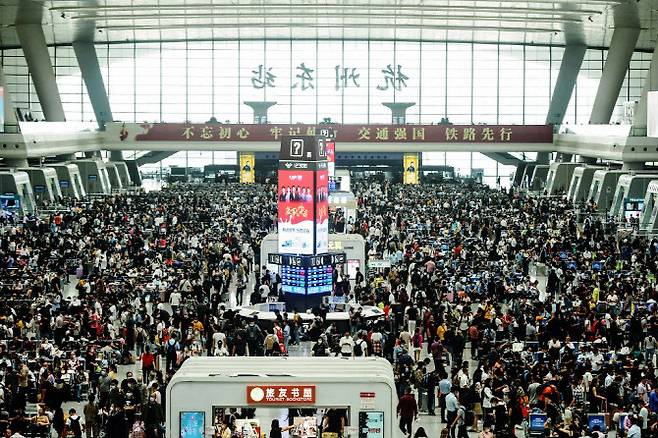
<point x="328" y="219"/>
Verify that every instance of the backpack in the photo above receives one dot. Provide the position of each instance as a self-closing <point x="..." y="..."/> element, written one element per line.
<point x="358" y="348"/>
<point x="269" y="342"/>
<point x="75" y="428"/>
<point x="252" y="333"/>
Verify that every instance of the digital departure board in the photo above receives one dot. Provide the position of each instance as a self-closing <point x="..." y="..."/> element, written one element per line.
<point x="293" y="279"/>
<point x="320" y="279"/>
<point x="313" y="280"/>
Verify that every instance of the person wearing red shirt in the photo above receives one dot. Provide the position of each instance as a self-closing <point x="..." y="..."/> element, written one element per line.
<point x="148" y="364"/>
<point x="407" y="410"/>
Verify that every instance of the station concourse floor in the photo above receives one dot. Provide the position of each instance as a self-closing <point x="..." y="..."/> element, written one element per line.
<point x="431" y="424"/>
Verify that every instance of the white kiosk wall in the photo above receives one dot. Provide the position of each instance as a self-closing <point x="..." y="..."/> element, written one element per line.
<point x="527" y="176"/>
<point x="45" y="184"/>
<point x="362" y="385"/>
<point x="559" y="177"/>
<point x="346" y="201"/>
<point x="70" y="182"/>
<point x="113" y="175"/>
<point x="18" y="184"/>
<point x="124" y="175"/>
<point x="539" y="175"/>
<point x="581" y="181"/>
<point x="94" y="176"/>
<point x="343" y="175"/>
<point x="631" y="188"/>
<point x="604" y="184"/>
<point x="648" y="219"/>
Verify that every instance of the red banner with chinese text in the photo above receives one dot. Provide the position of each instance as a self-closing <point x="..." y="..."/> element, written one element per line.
<point x="212" y="132"/>
<point x="281" y="394"/>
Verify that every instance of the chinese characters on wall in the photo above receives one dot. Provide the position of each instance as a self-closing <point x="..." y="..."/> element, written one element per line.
<point x="392" y="77"/>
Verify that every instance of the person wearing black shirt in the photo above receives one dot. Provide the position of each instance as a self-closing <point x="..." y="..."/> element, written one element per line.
<point x="276" y="430"/>
<point x="334" y="421"/>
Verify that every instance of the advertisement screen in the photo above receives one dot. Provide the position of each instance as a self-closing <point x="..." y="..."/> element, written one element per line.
<point x="322" y="212"/>
<point x="596" y="421"/>
<point x="296" y="213"/>
<point x="352" y="264"/>
<point x="192" y="424"/>
<point x="537" y="422"/>
<point x="9" y="202"/>
<point x="331" y="157"/>
<point x="247" y="170"/>
<point x="371" y="424"/>
<point x="411" y="168"/>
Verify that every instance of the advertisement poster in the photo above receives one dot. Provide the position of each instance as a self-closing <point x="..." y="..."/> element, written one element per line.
<point x="322" y="212"/>
<point x="296" y="213"/>
<point x="192" y="424"/>
<point x="331" y="157"/>
<point x="247" y="170"/>
<point x="248" y="428"/>
<point x="371" y="424"/>
<point x="411" y="168"/>
<point x="304" y="427"/>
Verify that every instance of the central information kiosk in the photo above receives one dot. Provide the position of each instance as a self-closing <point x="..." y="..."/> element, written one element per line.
<point x="306" y="266"/>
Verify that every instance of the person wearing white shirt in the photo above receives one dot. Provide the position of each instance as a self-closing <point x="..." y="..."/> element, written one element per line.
<point x="346" y="345"/>
<point x="634" y="431"/>
<point x="597" y="361"/>
<point x="644" y="417"/>
<point x="174" y="300"/>
<point x="218" y="337"/>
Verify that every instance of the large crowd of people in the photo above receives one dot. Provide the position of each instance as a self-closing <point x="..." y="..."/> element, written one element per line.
<point x="497" y="306"/>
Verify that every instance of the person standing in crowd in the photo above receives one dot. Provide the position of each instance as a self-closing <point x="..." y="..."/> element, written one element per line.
<point x="346" y="345"/>
<point x="407" y="410"/>
<point x="91" y="418"/>
<point x="452" y="408"/>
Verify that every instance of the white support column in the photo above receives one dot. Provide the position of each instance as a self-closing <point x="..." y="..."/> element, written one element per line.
<point x="10" y="110"/>
<point x="85" y="53"/>
<point x="41" y="69"/>
<point x="650" y="84"/>
<point x="564" y="85"/>
<point x="619" y="56"/>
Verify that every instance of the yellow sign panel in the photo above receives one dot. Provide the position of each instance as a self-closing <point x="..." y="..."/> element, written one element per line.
<point x="247" y="170"/>
<point x="411" y="165"/>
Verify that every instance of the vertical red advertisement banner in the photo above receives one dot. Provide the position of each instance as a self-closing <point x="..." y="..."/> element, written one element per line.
<point x="296" y="211"/>
<point x="321" y="211"/>
<point x="331" y="157"/>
